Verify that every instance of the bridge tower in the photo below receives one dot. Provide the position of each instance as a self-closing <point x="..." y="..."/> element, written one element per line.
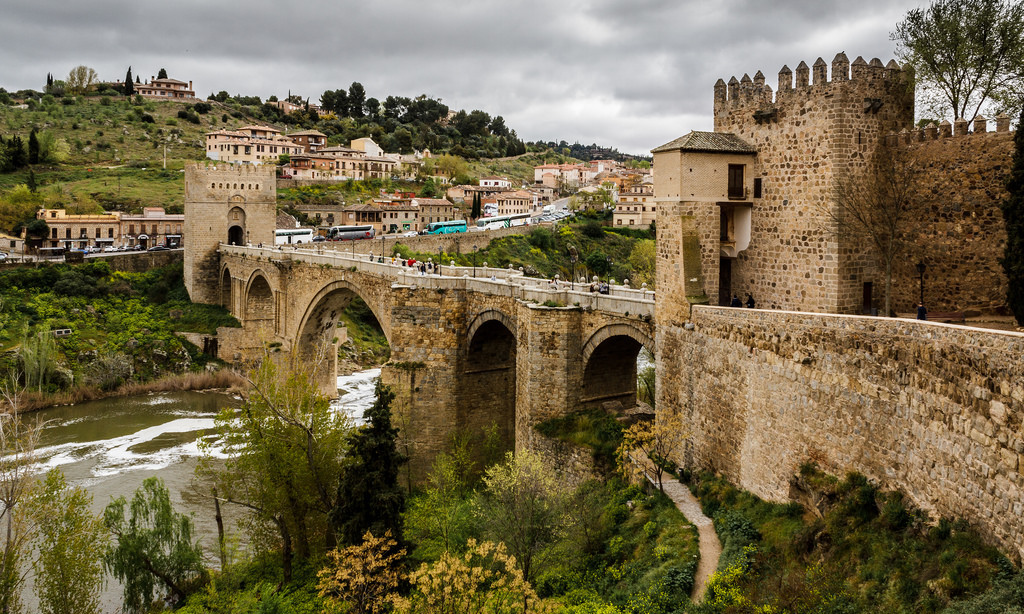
<point x="224" y="203"/>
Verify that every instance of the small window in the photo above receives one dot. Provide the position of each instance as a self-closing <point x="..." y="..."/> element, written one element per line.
<point x="736" y="181"/>
<point x="757" y="187"/>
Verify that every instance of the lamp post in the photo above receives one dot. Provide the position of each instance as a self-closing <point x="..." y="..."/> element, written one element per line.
<point x="474" y="261"/>
<point x="920" y="276"/>
<point x="382" y="240"/>
<point x="573" y="257"/>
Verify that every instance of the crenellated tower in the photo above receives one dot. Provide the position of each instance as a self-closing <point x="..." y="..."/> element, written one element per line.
<point x="224" y="203"/>
<point x="806" y="132"/>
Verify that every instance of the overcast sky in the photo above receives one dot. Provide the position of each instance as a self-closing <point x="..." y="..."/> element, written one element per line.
<point x="631" y="74"/>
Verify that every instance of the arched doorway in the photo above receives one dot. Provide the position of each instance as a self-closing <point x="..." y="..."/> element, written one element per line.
<point x="610" y="366"/>
<point x="487" y="385"/>
<point x="236" y="225"/>
<point x="259" y="302"/>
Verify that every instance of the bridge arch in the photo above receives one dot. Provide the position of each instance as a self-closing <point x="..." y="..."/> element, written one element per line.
<point x="324" y="310"/>
<point x="259" y="298"/>
<point x="225" y="287"/>
<point x="487" y="383"/>
<point x="489" y="315"/>
<point x="609" y="364"/>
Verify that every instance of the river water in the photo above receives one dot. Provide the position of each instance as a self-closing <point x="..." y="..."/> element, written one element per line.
<point x="110" y="446"/>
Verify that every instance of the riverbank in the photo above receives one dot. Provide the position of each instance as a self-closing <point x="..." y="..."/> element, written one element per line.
<point x="222" y="379"/>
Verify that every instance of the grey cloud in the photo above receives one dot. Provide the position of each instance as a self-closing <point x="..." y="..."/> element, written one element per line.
<point x="626" y="74"/>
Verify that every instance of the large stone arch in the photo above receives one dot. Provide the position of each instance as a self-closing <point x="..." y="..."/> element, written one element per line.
<point x="609" y="365"/>
<point x="487" y="379"/>
<point x="259" y="299"/>
<point x="325" y="307"/>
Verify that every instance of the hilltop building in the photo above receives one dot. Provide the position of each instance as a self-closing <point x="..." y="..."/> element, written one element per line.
<point x="164" y="89"/>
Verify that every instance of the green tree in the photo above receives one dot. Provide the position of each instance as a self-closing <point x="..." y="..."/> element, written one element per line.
<point x="80" y="79"/>
<point x="129" y="86"/>
<point x="33" y="147"/>
<point x="356" y="99"/>
<point x="17" y="453"/>
<point x="476" y="211"/>
<point x="965" y="53"/>
<point x="369" y="497"/>
<point x="70" y="542"/>
<point x="440" y="519"/>
<point x="523" y="506"/>
<point x="1013" y="215"/>
<point x="642" y="260"/>
<point x="153" y="546"/>
<point x="284" y="453"/>
<point x="162" y="74"/>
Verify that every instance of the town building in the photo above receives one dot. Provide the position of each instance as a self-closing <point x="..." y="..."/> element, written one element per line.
<point x="495" y="182"/>
<point x="154" y="226"/>
<point x="309" y="140"/>
<point x="434" y="210"/>
<point x="165" y="89"/>
<point x="635" y="206"/>
<point x="250" y="145"/>
<point x="73" y="231"/>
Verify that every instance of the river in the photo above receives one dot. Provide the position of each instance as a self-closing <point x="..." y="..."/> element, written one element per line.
<point x="110" y="446"/>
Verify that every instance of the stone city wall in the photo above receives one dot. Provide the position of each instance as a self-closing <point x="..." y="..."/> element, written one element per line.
<point x="933" y="410"/>
<point x="963" y="235"/>
<point x="456" y="243"/>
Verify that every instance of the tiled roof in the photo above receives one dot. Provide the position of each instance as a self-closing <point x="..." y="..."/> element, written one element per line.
<point x="711" y="142"/>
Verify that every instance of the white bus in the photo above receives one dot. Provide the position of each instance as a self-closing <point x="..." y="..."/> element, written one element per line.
<point x="503" y="221"/>
<point x="289" y="236"/>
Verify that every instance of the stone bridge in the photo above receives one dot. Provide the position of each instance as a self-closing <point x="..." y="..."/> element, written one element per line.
<point x="471" y="348"/>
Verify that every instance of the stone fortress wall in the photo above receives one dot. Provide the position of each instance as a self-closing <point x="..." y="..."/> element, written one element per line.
<point x="805" y="134"/>
<point x="963" y="235"/>
<point x="930" y="409"/>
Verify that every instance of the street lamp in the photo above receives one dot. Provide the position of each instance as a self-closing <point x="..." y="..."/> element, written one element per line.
<point x="920" y="275"/>
<point x="573" y="257"/>
<point x="474" y="261"/>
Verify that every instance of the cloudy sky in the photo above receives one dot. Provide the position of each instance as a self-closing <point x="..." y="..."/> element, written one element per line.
<point x="631" y="74"/>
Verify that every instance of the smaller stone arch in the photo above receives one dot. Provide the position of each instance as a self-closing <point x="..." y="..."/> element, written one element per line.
<point x="486" y="316"/>
<point x="615" y="330"/>
<point x="225" y="288"/>
<point x="259" y="298"/>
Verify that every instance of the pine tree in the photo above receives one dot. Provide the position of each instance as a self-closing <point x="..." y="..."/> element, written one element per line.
<point x="1013" y="214"/>
<point x="162" y="74"/>
<point x="475" y="213"/>
<point x="369" y="497"/>
<point x="49" y="81"/>
<point x="33" y="147"/>
<point x="129" y="87"/>
<point x="31" y="183"/>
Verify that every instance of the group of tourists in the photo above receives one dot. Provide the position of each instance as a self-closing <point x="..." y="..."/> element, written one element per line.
<point x="737" y="303"/>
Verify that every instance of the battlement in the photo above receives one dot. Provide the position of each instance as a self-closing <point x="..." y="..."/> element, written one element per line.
<point x="946" y="130"/>
<point x="205" y="181"/>
<point x="810" y="80"/>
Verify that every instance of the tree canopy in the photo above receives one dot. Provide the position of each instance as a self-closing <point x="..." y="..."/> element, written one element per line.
<point x="967" y="55"/>
<point x="1013" y="214"/>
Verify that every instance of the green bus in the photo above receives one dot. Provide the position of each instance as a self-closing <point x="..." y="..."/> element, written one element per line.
<point x="444" y="228"/>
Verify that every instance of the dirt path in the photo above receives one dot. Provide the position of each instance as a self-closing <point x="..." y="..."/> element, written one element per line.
<point x="710" y="547"/>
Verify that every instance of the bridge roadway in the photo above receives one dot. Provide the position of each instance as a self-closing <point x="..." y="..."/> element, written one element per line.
<point x="497" y="353"/>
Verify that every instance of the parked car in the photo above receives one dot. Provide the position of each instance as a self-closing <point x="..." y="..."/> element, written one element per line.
<point x="159" y="248"/>
<point x="411" y="233"/>
<point x="3" y="257"/>
<point x="319" y="238"/>
<point x="109" y="248"/>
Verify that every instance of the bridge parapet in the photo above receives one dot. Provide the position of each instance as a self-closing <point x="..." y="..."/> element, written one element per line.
<point x="488" y="280"/>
